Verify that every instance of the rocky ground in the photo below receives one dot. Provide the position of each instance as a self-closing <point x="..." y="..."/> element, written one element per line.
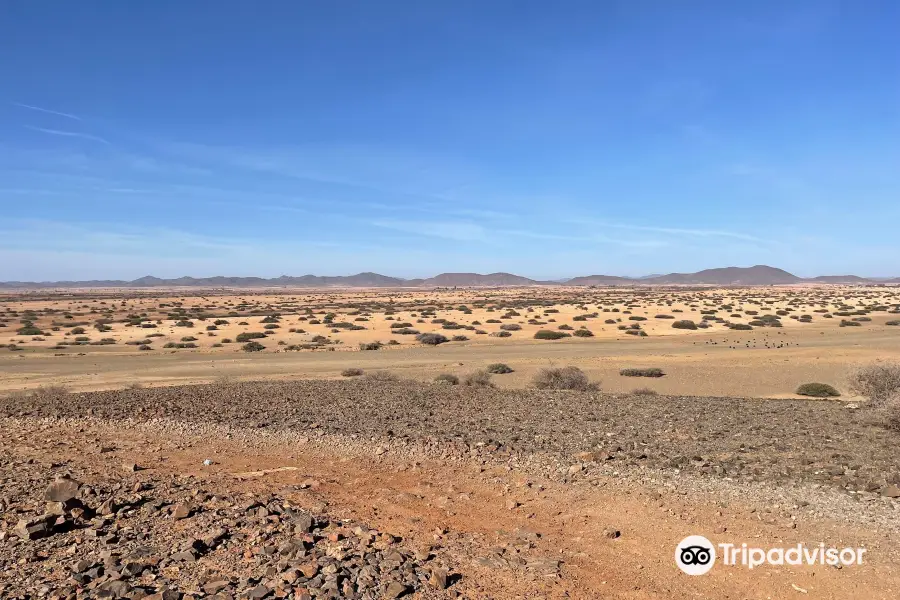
<point x="95" y="502"/>
<point x="746" y="440"/>
<point x="132" y="535"/>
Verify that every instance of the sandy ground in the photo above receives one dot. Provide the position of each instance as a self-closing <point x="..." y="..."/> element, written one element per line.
<point x="762" y="362"/>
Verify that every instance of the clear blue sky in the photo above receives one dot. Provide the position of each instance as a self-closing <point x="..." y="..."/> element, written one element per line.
<point x="548" y="139"/>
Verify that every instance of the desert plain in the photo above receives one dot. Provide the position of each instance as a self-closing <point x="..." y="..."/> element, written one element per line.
<point x="370" y="443"/>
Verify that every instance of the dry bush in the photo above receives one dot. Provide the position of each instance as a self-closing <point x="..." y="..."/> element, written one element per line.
<point x="644" y="391"/>
<point x="431" y="339"/>
<point x="652" y="372"/>
<point x="892" y="413"/>
<point x="817" y="390"/>
<point x="447" y="379"/>
<point x="565" y="378"/>
<point x="499" y="368"/>
<point x="478" y="379"/>
<point x="547" y="334"/>
<point x="386" y="376"/>
<point x="352" y="372"/>
<point x="878" y="382"/>
<point x="370" y="346"/>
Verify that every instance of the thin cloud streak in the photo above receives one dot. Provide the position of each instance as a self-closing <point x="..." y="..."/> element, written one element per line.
<point x="48" y="111"/>
<point x="85" y="136"/>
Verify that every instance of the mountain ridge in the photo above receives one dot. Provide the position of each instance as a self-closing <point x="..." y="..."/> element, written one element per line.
<point x="748" y="276"/>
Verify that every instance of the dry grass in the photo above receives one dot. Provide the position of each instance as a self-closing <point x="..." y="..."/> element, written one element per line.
<point x="878" y="382"/>
<point x="565" y="378"/>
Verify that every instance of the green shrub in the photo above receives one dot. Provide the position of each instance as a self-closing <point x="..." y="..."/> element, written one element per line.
<point x="684" y="324"/>
<point x="652" y="372"/>
<point x="817" y="390"/>
<point x="547" y="334"/>
<point x="583" y="333"/>
<point x="252" y="347"/>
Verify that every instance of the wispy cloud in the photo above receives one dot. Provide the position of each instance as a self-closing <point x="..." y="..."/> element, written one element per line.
<point x="48" y="111"/>
<point x="451" y="230"/>
<point x="679" y="231"/>
<point x="75" y="134"/>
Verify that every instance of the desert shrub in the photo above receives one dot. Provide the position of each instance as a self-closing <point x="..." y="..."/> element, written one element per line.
<point x="352" y="372"/>
<point x="77" y="330"/>
<point x="220" y="322"/>
<point x="431" y="339"/>
<point x="405" y="331"/>
<point x="499" y="368"/>
<point x="565" y="327"/>
<point x="144" y="347"/>
<point x="252" y="347"/>
<point x="447" y="379"/>
<point x="510" y="327"/>
<point x="740" y="327"/>
<point x="817" y="390"/>
<point x="400" y="325"/>
<point x="184" y="323"/>
<point x="478" y="379"/>
<point x="31" y="330"/>
<point x="846" y="323"/>
<point x="564" y="378"/>
<point x="651" y="372"/>
<point x="892" y="413"/>
<point x="610" y="321"/>
<point x="636" y="318"/>
<point x="893" y="323"/>
<point x="370" y="346"/>
<point x="385" y="376"/>
<point x="459" y="338"/>
<point x="878" y="382"/>
<point x="547" y="334"/>
<point x="664" y="317"/>
<point x="583" y="333"/>
<point x="644" y="391"/>
<point x="249" y="335"/>
<point x="188" y="338"/>
<point x="211" y="327"/>
<point x="684" y="324"/>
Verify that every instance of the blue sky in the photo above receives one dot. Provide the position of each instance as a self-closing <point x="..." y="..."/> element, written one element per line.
<point x="410" y="138"/>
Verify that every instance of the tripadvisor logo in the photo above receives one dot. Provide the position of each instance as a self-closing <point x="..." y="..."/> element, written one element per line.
<point x="696" y="555"/>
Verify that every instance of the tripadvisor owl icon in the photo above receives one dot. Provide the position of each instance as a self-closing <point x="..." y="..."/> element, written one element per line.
<point x="695" y="555"/>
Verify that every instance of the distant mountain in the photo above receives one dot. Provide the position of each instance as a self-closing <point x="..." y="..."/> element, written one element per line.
<point x="359" y="280"/>
<point x="749" y="276"/>
<point x="756" y="275"/>
<point x="476" y="279"/>
<point x="602" y="280"/>
<point x="840" y="279"/>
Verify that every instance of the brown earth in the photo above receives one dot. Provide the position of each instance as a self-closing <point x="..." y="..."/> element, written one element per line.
<point x="485" y="479"/>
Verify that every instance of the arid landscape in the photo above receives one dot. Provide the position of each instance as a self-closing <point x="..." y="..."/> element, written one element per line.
<point x="449" y="300"/>
<point x="478" y="442"/>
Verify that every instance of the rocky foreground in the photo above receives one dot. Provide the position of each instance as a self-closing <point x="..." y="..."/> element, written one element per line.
<point x="135" y="536"/>
<point x="87" y="529"/>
